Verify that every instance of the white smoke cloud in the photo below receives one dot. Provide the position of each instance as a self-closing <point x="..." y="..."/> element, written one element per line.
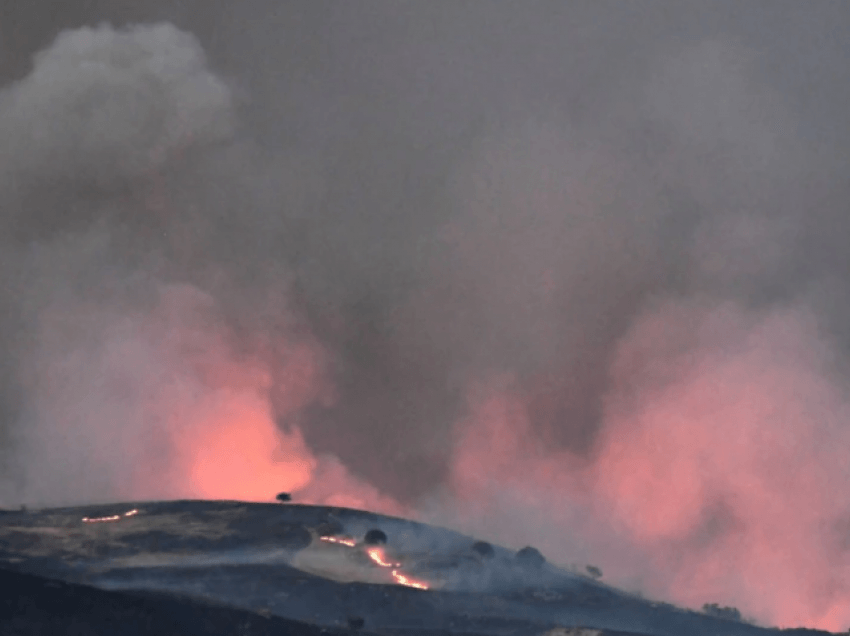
<point x="101" y="105"/>
<point x="140" y="376"/>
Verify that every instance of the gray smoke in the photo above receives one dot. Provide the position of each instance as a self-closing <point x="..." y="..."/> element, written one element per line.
<point x="438" y="236"/>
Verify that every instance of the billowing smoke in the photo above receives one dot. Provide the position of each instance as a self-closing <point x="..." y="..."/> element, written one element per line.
<point x="141" y="371"/>
<point x="573" y="277"/>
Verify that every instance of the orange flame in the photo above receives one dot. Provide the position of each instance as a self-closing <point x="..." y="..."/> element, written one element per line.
<point x="129" y="513"/>
<point x="403" y="579"/>
<point x="377" y="555"/>
<point x="101" y="519"/>
<point x="379" y="558"/>
<point x="342" y="540"/>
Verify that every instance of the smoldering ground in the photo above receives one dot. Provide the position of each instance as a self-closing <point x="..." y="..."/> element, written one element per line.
<point x="571" y="275"/>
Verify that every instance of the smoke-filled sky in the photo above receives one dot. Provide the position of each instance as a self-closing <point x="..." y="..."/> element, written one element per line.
<point x="569" y="274"/>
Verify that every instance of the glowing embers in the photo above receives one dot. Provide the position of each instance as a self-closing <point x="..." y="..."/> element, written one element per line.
<point x="129" y="513"/>
<point x="403" y="579"/>
<point x="378" y="556"/>
<point x="341" y="540"/>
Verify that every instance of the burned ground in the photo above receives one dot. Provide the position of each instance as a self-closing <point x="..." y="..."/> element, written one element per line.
<point x="192" y="567"/>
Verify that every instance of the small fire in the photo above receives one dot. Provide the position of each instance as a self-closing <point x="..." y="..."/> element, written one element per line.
<point x="403" y="579"/>
<point x="129" y="513"/>
<point x="379" y="558"/>
<point x="101" y="519"/>
<point x="377" y="555"/>
<point x="343" y="540"/>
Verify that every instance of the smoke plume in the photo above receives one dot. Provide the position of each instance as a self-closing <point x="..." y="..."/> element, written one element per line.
<point x="567" y="276"/>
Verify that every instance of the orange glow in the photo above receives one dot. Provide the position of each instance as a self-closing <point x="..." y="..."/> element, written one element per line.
<point x="230" y="447"/>
<point x="716" y="474"/>
<point x="234" y="450"/>
<point x="100" y="519"/>
<point x="403" y="579"/>
<point x="341" y="540"/>
<point x="129" y="513"/>
<point x="197" y="418"/>
<point x="224" y="417"/>
<point x="377" y="555"/>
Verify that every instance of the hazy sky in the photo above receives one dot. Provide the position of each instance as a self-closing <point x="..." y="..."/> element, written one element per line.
<point x="591" y="252"/>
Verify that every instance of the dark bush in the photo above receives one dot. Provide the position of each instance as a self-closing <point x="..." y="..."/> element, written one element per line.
<point x="329" y="528"/>
<point x="483" y="549"/>
<point x="729" y="613"/>
<point x="375" y="537"/>
<point x="530" y="557"/>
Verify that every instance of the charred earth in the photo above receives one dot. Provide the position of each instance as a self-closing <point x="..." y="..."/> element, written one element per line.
<point x="224" y="567"/>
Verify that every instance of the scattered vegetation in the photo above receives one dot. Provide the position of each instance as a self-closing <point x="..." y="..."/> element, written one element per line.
<point x="375" y="537"/>
<point x="483" y="549"/>
<point x="729" y="613"/>
<point x="530" y="557"/>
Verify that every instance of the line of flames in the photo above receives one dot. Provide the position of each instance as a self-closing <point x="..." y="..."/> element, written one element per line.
<point x="129" y="513"/>
<point x="377" y="555"/>
<point x="349" y="542"/>
<point x="403" y="579"/>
